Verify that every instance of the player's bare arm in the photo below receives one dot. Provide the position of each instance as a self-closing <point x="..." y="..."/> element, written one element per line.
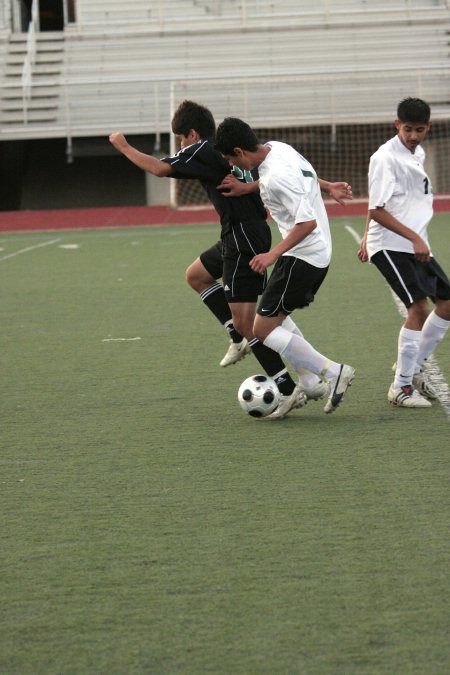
<point x="362" y="253"/>
<point x="145" y="162"/>
<point x="387" y="220"/>
<point x="232" y="187"/>
<point x="299" y="232"/>
<point x="340" y="191"/>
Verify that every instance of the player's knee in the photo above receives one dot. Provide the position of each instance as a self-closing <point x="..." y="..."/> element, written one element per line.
<point x="196" y="279"/>
<point x="418" y="312"/>
<point x="190" y="276"/>
<point x="443" y="309"/>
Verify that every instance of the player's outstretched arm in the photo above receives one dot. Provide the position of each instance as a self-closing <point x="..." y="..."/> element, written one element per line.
<point x="340" y="191"/>
<point x="145" y="162"/>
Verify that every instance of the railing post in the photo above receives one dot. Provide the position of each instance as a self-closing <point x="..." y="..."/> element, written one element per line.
<point x="65" y="12"/>
<point x="173" y="183"/>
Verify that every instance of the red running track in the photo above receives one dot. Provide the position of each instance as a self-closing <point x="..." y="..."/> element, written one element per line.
<point x="148" y="216"/>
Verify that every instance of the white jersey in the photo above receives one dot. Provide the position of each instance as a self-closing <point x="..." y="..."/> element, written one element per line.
<point x="398" y="182"/>
<point x="290" y="190"/>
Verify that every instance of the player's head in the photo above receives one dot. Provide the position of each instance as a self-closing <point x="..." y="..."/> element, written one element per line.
<point x="192" y="117"/>
<point x="413" y="122"/>
<point x="413" y="110"/>
<point x="236" y="140"/>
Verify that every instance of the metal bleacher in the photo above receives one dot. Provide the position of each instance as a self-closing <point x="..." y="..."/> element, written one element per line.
<point x="278" y="63"/>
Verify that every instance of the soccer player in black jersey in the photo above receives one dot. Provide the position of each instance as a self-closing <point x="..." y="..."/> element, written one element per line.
<point x="244" y="234"/>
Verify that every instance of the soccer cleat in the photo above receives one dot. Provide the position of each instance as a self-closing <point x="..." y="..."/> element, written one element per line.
<point x="338" y="386"/>
<point x="235" y="352"/>
<point x="407" y="397"/>
<point x="316" y="392"/>
<point x="422" y="385"/>
<point x="287" y="403"/>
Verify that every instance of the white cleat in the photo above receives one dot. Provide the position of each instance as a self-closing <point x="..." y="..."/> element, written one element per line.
<point x="287" y="403"/>
<point x="235" y="352"/>
<point x="422" y="385"/>
<point x="317" y="391"/>
<point x="338" y="386"/>
<point x="407" y="397"/>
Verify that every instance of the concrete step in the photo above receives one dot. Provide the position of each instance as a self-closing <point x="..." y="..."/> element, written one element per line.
<point x="15" y="93"/>
<point x="53" y="58"/>
<point x="38" y="70"/>
<point x="33" y="104"/>
<point x="37" y="116"/>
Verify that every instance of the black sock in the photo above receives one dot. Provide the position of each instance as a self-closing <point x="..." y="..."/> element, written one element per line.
<point x="214" y="298"/>
<point x="232" y="332"/>
<point x="274" y="366"/>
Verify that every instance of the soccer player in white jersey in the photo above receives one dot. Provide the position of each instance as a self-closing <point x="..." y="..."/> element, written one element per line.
<point x="290" y="189"/>
<point x="396" y="242"/>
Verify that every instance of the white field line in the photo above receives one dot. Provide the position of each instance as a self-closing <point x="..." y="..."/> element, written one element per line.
<point x="28" y="249"/>
<point x="432" y="368"/>
<point x="121" y="339"/>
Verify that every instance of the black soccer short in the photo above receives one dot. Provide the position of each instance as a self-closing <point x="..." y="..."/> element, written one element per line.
<point x="239" y="246"/>
<point x="410" y="279"/>
<point x="212" y="260"/>
<point x="229" y="260"/>
<point x="292" y="285"/>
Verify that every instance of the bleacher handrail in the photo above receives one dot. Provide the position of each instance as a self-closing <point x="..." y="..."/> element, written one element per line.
<point x="30" y="57"/>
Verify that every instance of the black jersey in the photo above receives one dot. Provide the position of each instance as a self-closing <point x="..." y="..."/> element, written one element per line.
<point x="202" y="162"/>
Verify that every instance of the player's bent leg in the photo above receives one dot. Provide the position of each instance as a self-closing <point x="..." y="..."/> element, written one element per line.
<point x="198" y="277"/>
<point x="213" y="296"/>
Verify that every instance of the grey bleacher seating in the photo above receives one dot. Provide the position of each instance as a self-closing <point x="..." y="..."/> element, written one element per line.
<point x="278" y="63"/>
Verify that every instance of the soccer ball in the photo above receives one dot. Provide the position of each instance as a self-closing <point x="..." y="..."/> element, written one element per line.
<point x="259" y="395"/>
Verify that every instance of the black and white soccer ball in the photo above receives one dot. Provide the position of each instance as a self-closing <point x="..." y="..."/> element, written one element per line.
<point x="259" y="395"/>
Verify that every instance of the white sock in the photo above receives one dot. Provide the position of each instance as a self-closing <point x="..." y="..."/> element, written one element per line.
<point x="291" y="326"/>
<point x="408" y="349"/>
<point x="433" y="331"/>
<point x="306" y="378"/>
<point x="301" y="353"/>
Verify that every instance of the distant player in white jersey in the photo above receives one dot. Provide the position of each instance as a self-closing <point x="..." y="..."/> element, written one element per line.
<point x="290" y="189"/>
<point x="396" y="241"/>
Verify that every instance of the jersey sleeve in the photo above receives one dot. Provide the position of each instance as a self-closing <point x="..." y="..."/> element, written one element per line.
<point x="294" y="195"/>
<point x="198" y="161"/>
<point x="381" y="180"/>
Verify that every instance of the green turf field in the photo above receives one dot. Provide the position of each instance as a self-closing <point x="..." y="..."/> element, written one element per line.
<point x="150" y="527"/>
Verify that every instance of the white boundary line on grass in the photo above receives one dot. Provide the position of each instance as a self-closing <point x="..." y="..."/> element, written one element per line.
<point x="29" y="248"/>
<point x="433" y="371"/>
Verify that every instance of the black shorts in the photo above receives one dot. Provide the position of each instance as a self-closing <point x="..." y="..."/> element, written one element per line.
<point x="410" y="279"/>
<point x="212" y="260"/>
<point x="292" y="285"/>
<point x="230" y="258"/>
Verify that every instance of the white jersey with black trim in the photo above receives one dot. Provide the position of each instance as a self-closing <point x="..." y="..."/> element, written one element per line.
<point x="399" y="183"/>
<point x="290" y="190"/>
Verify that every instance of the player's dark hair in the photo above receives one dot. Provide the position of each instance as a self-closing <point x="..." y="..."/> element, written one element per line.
<point x="234" y="133"/>
<point x="190" y="115"/>
<point x="413" y="110"/>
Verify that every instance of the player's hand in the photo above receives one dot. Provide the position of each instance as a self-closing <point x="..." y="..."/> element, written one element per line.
<point x="118" y="140"/>
<point x="421" y="251"/>
<point x="340" y="192"/>
<point x="262" y="261"/>
<point x="232" y="187"/>
<point x="362" y="253"/>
